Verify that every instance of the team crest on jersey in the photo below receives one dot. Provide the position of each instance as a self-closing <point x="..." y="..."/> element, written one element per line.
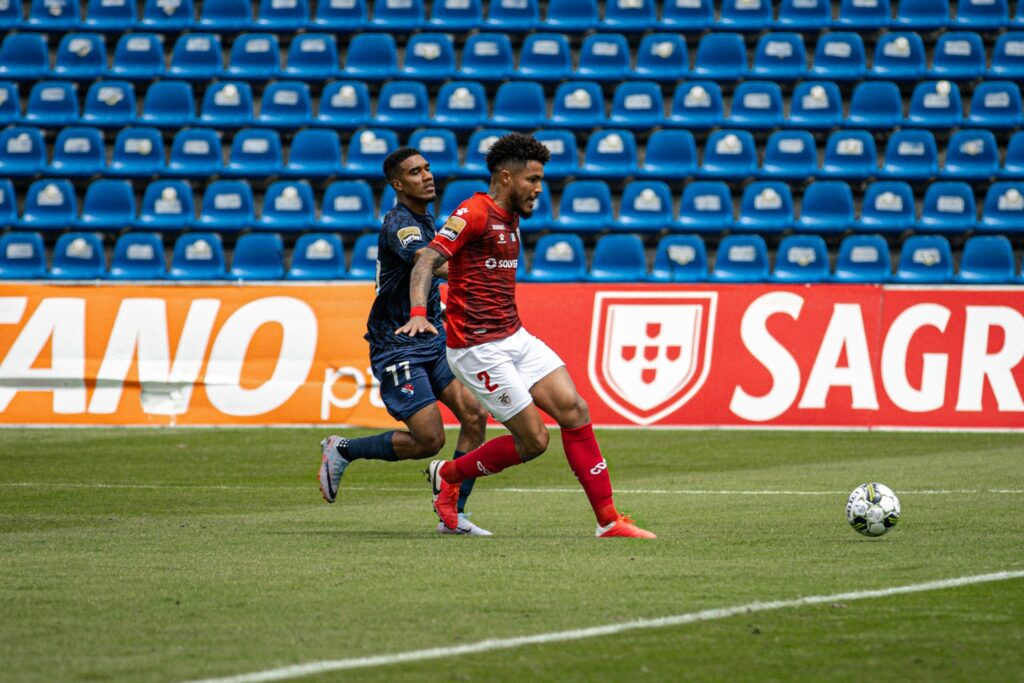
<point x="650" y="353"/>
<point x="409" y="234"/>
<point x="408" y="390"/>
<point x="505" y="399"/>
<point x="452" y="227"/>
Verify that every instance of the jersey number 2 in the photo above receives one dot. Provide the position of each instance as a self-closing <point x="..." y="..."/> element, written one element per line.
<point x="486" y="379"/>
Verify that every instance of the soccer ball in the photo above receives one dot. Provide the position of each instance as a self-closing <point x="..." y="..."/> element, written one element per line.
<point x="873" y="509"/>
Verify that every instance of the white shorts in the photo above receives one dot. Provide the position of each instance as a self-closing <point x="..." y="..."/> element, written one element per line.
<point x="501" y="373"/>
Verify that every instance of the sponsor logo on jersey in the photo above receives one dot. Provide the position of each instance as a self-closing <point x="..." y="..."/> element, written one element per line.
<point x="462" y="211"/>
<point x="452" y="227"/>
<point x="497" y="227"/>
<point x="408" y="390"/>
<point x="409" y="234"/>
<point x="493" y="263"/>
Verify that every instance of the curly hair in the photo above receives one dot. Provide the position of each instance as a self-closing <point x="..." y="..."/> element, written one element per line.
<point x="514" y="150"/>
<point x="395" y="159"/>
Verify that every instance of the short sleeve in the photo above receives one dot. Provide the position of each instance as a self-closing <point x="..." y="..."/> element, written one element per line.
<point x="461" y="228"/>
<point x="405" y="237"/>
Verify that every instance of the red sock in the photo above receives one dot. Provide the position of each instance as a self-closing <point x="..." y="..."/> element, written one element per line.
<point x="590" y="468"/>
<point x="491" y="458"/>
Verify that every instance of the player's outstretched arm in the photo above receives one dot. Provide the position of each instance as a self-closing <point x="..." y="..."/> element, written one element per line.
<point x="426" y="261"/>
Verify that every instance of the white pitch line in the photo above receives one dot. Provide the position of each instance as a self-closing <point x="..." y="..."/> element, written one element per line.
<point x="313" y="668"/>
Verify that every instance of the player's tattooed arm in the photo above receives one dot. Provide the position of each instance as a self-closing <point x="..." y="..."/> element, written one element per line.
<point x="426" y="261"/>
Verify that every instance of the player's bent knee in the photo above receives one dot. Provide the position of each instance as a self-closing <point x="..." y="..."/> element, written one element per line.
<point x="429" y="444"/>
<point x="534" y="445"/>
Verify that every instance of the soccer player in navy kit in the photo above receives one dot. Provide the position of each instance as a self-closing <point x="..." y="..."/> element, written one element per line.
<point x="412" y="371"/>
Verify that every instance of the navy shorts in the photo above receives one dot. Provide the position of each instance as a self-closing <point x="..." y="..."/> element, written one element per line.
<point x="411" y="378"/>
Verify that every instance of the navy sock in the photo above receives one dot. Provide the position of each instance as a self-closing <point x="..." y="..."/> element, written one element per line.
<point x="376" y="447"/>
<point x="466" y="487"/>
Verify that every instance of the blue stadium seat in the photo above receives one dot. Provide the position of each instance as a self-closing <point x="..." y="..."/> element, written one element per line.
<point x="780" y="56"/>
<point x="863" y="258"/>
<point x="618" y="258"/>
<point x="288" y="206"/>
<point x="638" y="104"/>
<point x="22" y="256"/>
<point x="804" y="15"/>
<point x="958" y="55"/>
<point x="258" y="256"/>
<point x="11" y="14"/>
<point x="1013" y="164"/>
<point x="50" y="204"/>
<point x="367" y="150"/>
<point x="766" y="207"/>
<point x="1008" y="56"/>
<point x="850" y="155"/>
<point x="801" y="258"/>
<point x="604" y="57"/>
<point x="169" y="104"/>
<point x="78" y="256"/>
<point x="573" y="16"/>
<point x="564" y="155"/>
<point x="196" y="57"/>
<point x="935" y="105"/>
<point x="372" y="56"/>
<point x="227" y="104"/>
<point x="741" y="258"/>
<point x="110" y="104"/>
<point x="922" y="14"/>
<point x="167" y="205"/>
<point x="543" y="215"/>
<point x="520" y="104"/>
<point x="1018" y="18"/>
<point x="670" y="154"/>
<point x="22" y="152"/>
<point x="429" y="57"/>
<point x="255" y="56"/>
<point x="343" y="16"/>
<point x="840" y="56"/>
<point x="948" y="207"/>
<point x="756" y="105"/>
<point x="578" y="104"/>
<point x="971" y="155"/>
<point x="925" y="259"/>
<point x="721" y="57"/>
<point x="312" y="57"/>
<point x="197" y="256"/>
<point x="255" y="153"/>
<point x="899" y="56"/>
<point x="864" y="15"/>
<point x="8" y="204"/>
<point x="662" y="57"/>
<point x="286" y="104"/>
<point x="791" y="155"/>
<point x="888" y="207"/>
<point x="545" y="57"/>
<point x="697" y="104"/>
<point x="403" y="104"/>
<point x="456" y="15"/>
<point x="730" y="154"/>
<point x="108" y="204"/>
<point x="138" y="153"/>
<point x="10" y="103"/>
<point x="610" y="153"/>
<point x="316" y="153"/>
<point x="558" y="257"/>
<point x="167" y="16"/>
<point x="78" y="152"/>
<point x="487" y="57"/>
<point x="54" y="16"/>
<point x="225" y="15"/>
<point x="364" y="258"/>
<point x="706" y="206"/>
<point x="139" y="56"/>
<point x="195" y="153"/>
<point x="911" y="155"/>
<point x="982" y="15"/>
<point x="815" y="105"/>
<point x="455" y="193"/>
<point x="513" y="15"/>
<point x="398" y="15"/>
<point x="827" y="208"/>
<point x="440" y="148"/>
<point x="476" y="151"/>
<point x="688" y="17"/>
<point x="138" y="256"/>
<point x="81" y="56"/>
<point x="347" y="206"/>
<point x="227" y="206"/>
<point x="631" y="16"/>
<point x="585" y="206"/>
<point x="680" y="258"/>
<point x="876" y="104"/>
<point x="995" y="104"/>
<point x="987" y="260"/>
<point x="1003" y="210"/>
<point x="461" y="105"/>
<point x="283" y="16"/>
<point x="746" y="15"/>
<point x="646" y="206"/>
<point x="317" y="256"/>
<point x="344" y="104"/>
<point x="52" y="103"/>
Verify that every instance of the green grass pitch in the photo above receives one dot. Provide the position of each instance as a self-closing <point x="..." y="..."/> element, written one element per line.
<point x="177" y="554"/>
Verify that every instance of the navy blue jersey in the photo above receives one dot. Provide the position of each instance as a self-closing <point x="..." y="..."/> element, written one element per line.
<point x="402" y="235"/>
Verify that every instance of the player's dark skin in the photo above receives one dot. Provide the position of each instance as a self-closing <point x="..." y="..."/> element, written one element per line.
<point x="414" y="187"/>
<point x="514" y="189"/>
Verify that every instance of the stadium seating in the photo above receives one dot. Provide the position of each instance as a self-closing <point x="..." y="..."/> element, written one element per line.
<point x="403" y="105"/>
<point x="935" y="104"/>
<point x="706" y="206"/>
<point x="10" y="103"/>
<point x="911" y="155"/>
<point x="78" y="256"/>
<point x="344" y="104"/>
<point x="948" y="207"/>
<point x="790" y="155"/>
<point x="227" y="206"/>
<point x="766" y="207"/>
<point x="254" y="56"/>
<point x="138" y="256"/>
<point x="958" y="55"/>
<point x="159" y="15"/>
<point x="513" y="15"/>
<point x="840" y="56"/>
<point x="196" y="56"/>
<point x="815" y="105"/>
<point x="610" y="153"/>
<point x="50" y="204"/>
<point x="925" y="259"/>
<point x="372" y="57"/>
<point x="697" y="104"/>
<point x="317" y="256"/>
<point x="646" y="206"/>
<point x="801" y="258"/>
<point x="741" y="258"/>
<point x="520" y="104"/>
<point x="545" y="57"/>
<point x="1003" y="208"/>
<point x="888" y="207"/>
<point x="745" y="15"/>
<point x="756" y="105"/>
<point x="24" y="56"/>
<point x="288" y="206"/>
<point x="398" y="16"/>
<point x="694" y="16"/>
<point x="461" y="105"/>
<point x="168" y="104"/>
<point x="721" y="57"/>
<point x="638" y="104"/>
<point x="429" y="57"/>
<point x="804" y="15"/>
<point x="167" y="205"/>
<point x="571" y="15"/>
<point x="899" y="56"/>
<point x="780" y="56"/>
<point x="850" y="155"/>
<point x="440" y="148"/>
<point x="258" y="256"/>
<point x="347" y="206"/>
<point x="858" y="15"/>
<point x="22" y="151"/>
<point x="827" y="208"/>
<point x="618" y="258"/>
<point x="987" y="259"/>
<point x="316" y="153"/>
<point x="81" y="56"/>
<point x="364" y="258"/>
<point x="456" y="15"/>
<point x="1013" y="164"/>
<point x="971" y="155"/>
<point x="195" y="152"/>
<point x="197" y="256"/>
<point x="312" y="56"/>
<point x="662" y="57"/>
<point x="138" y="55"/>
<point x="22" y="256"/>
<point x="729" y="154"/>
<point x="680" y="258"/>
<point x="44" y="16"/>
<point x="8" y="204"/>
<point x="586" y="206"/>
<point x="982" y="14"/>
<point x="108" y="204"/>
<point x="604" y="57"/>
<point x="487" y="57"/>
<point x="863" y="258"/>
<point x="670" y="154"/>
<point x="558" y="257"/>
<point x="286" y="104"/>
<point x="282" y="16"/>
<point x="995" y="104"/>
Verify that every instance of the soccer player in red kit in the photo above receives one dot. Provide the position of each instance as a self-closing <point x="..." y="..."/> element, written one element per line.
<point x="510" y="371"/>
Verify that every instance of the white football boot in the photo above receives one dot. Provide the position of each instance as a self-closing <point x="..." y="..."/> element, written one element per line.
<point x="465" y="528"/>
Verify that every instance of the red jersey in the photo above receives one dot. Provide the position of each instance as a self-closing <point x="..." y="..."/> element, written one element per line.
<point x="481" y="241"/>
